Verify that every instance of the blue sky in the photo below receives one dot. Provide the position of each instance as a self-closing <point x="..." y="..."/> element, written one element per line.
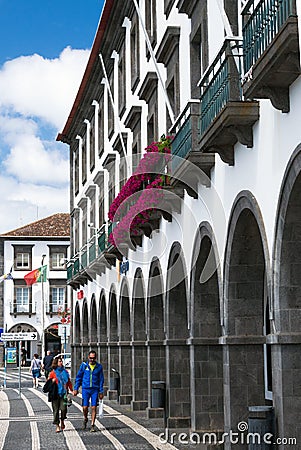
<point x="43" y="53"/>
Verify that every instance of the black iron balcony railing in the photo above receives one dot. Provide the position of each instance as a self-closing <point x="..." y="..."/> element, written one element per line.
<point x="226" y="117"/>
<point x="271" y="50"/>
<point x="262" y="21"/>
<point x="89" y="252"/>
<point x="221" y="82"/>
<point x="186" y="131"/>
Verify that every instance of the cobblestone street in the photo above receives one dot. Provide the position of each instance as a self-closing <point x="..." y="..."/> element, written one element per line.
<point x="26" y="423"/>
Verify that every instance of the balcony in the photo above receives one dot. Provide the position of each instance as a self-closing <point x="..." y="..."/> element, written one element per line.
<point x="225" y="117"/>
<point x="22" y="309"/>
<point x="189" y="165"/>
<point x="271" y="50"/>
<point x="93" y="259"/>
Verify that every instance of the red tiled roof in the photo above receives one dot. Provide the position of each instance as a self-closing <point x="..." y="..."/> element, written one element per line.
<point x="52" y="226"/>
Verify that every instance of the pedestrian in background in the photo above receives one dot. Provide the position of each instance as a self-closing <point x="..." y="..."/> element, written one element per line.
<point x="23" y="356"/>
<point x="35" y="370"/>
<point x="47" y="363"/>
<point x="60" y="376"/>
<point x="90" y="378"/>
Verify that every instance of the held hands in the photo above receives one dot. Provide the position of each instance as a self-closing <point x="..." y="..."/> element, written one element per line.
<point x="75" y="392"/>
<point x="100" y="396"/>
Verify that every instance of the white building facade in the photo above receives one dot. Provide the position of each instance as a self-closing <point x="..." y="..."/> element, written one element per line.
<point x="208" y="300"/>
<point x="39" y="307"/>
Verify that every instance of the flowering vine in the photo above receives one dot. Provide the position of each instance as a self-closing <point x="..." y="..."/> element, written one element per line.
<point x="148" y="178"/>
<point x="64" y="314"/>
<point x="153" y="161"/>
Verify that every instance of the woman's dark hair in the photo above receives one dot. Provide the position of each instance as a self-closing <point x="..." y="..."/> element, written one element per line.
<point x="55" y="362"/>
<point x="36" y="355"/>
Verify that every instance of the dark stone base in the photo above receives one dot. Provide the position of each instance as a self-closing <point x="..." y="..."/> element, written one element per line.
<point x="125" y="399"/>
<point x="155" y="413"/>
<point x="113" y="395"/>
<point x="178" y="422"/>
<point x="140" y="405"/>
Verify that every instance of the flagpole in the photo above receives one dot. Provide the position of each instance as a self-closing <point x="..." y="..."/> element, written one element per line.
<point x="43" y="308"/>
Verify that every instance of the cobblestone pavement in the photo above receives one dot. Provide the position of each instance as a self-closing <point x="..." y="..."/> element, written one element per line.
<point x="26" y="423"/>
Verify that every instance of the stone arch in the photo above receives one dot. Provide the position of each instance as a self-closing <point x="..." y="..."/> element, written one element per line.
<point x="77" y="352"/>
<point x="246" y="291"/>
<point x="125" y="314"/>
<point x="286" y="348"/>
<point x="177" y="350"/>
<point x="85" y="330"/>
<point x="103" y="336"/>
<point x="125" y="350"/>
<point x="139" y="321"/>
<point x="85" y="323"/>
<point x="140" y="392"/>
<point x="30" y="346"/>
<point x="156" y="350"/>
<point x="102" y="319"/>
<point x="206" y="352"/>
<point x="93" y="322"/>
<point x="113" y="348"/>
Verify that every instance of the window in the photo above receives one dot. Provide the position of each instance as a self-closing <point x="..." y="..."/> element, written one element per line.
<point x="22" y="303"/>
<point x="22" y="257"/>
<point x="151" y="21"/>
<point x="101" y="211"/>
<point x="22" y="299"/>
<point x="135" y="56"/>
<point x="121" y="81"/>
<point x="22" y="261"/>
<point x="100" y="128"/>
<point x="57" y="297"/>
<point x="92" y="146"/>
<point x="110" y="105"/>
<point x="84" y="160"/>
<point x="57" y="258"/>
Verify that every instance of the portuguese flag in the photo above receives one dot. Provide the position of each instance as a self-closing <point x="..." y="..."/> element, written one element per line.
<point x="36" y="276"/>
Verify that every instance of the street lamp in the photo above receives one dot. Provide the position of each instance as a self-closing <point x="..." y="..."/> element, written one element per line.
<point x="43" y="308"/>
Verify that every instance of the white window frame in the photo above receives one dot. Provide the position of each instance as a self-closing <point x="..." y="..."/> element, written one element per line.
<point x="58" y="298"/>
<point x="21" y="262"/>
<point x="22" y="299"/>
<point x="57" y="260"/>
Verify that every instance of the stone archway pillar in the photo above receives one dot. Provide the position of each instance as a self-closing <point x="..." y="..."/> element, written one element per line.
<point x="125" y="371"/>
<point x="139" y="369"/>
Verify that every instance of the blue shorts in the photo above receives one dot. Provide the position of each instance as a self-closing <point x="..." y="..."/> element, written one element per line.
<point x="90" y="393"/>
<point x="36" y="373"/>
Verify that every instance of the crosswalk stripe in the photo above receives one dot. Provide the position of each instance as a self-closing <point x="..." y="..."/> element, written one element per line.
<point x="139" y="429"/>
<point x="35" y="438"/>
<point x="73" y="440"/>
<point x="105" y="432"/>
<point x="4" y="412"/>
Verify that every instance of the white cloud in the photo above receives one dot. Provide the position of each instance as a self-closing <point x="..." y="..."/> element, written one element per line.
<point x="36" y="96"/>
<point x="22" y="203"/>
<point x="45" y="88"/>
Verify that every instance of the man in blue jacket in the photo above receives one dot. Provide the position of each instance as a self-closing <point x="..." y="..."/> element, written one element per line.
<point x="90" y="378"/>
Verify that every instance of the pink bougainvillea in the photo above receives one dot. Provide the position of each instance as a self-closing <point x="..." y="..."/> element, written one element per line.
<point x="153" y="162"/>
<point x="149" y="179"/>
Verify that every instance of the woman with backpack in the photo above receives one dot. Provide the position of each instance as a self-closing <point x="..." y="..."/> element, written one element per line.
<point x="35" y="370"/>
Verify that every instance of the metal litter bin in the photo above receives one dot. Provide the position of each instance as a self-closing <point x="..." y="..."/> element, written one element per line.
<point x="158" y="394"/>
<point x="261" y="423"/>
<point x="113" y="384"/>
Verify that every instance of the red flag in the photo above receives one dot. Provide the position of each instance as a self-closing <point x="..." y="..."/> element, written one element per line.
<point x="35" y="276"/>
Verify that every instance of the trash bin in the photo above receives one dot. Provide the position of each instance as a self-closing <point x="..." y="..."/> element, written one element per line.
<point x="261" y="423"/>
<point x="113" y="385"/>
<point x="158" y="394"/>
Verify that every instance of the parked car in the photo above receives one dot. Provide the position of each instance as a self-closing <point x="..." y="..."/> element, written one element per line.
<point x="66" y="357"/>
